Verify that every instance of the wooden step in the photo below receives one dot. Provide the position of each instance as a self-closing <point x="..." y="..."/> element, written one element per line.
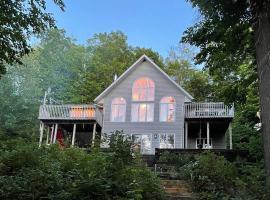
<point x="177" y="189"/>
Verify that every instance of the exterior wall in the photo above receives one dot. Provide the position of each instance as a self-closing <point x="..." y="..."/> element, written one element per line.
<point x="163" y="87"/>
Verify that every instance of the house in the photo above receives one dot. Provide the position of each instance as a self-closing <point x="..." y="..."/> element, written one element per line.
<point x="147" y="105"/>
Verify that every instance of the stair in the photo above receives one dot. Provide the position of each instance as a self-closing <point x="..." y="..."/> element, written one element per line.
<point x="177" y="189"/>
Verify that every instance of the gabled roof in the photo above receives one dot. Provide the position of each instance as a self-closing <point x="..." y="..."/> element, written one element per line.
<point x="130" y="69"/>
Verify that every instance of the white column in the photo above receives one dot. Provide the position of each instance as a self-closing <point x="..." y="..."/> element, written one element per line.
<point x="230" y="135"/>
<point x="208" y="135"/>
<point x="186" y="135"/>
<point x="55" y="133"/>
<point x="73" y="135"/>
<point x="52" y="131"/>
<point x="94" y="134"/>
<point x="48" y="135"/>
<point x="41" y="133"/>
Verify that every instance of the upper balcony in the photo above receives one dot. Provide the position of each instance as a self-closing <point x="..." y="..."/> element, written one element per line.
<point x="70" y="112"/>
<point x="208" y="110"/>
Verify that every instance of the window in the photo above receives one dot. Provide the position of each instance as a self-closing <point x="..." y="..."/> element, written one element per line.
<point x="166" y="141"/>
<point x="142" y="112"/>
<point x="167" y="109"/>
<point x="142" y="143"/>
<point x="118" y="109"/>
<point x="143" y="90"/>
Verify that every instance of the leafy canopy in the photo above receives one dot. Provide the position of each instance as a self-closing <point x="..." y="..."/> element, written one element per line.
<point x="18" y="21"/>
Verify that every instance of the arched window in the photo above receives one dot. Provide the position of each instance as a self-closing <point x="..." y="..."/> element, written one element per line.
<point x="167" y="109"/>
<point x="143" y="90"/>
<point x="118" y="109"/>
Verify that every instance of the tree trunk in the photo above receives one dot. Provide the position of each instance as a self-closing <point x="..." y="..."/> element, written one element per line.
<point x="262" y="44"/>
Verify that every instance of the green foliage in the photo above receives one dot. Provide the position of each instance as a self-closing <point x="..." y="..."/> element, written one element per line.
<point x="18" y="21"/>
<point x="195" y="81"/>
<point x="28" y="172"/>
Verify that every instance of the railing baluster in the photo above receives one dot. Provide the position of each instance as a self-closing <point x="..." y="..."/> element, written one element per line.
<point x="211" y="110"/>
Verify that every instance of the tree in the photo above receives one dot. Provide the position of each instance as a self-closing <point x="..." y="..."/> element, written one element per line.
<point x="106" y="55"/>
<point x="234" y="33"/>
<point x="195" y="81"/>
<point x="18" y="21"/>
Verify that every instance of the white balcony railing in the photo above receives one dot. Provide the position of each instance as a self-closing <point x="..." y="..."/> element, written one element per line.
<point x="209" y="110"/>
<point x="69" y="112"/>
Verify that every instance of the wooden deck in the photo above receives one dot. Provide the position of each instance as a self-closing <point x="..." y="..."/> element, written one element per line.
<point x="77" y="113"/>
<point x="208" y="110"/>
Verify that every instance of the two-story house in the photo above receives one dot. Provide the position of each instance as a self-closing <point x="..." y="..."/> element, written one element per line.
<point x="145" y="103"/>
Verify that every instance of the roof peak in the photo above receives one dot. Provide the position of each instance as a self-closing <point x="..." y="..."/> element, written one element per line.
<point x="143" y="58"/>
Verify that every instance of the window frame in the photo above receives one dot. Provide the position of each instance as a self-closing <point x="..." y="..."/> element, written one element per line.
<point x="167" y="134"/>
<point x="150" y="135"/>
<point x="167" y="110"/>
<point x="125" y="108"/>
<point x="147" y="90"/>
<point x="146" y="112"/>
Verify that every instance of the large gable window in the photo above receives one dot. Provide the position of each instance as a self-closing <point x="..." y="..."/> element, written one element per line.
<point x="143" y="90"/>
<point x="143" y="95"/>
<point x="118" y="109"/>
<point x="167" y="109"/>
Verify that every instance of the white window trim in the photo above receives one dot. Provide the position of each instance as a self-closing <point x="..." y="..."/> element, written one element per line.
<point x="143" y="102"/>
<point x="125" y="108"/>
<point x="166" y="138"/>
<point x="174" y="115"/>
<point x="151" y="141"/>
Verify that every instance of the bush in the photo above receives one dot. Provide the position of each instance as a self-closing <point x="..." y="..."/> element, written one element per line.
<point x="213" y="177"/>
<point x="28" y="172"/>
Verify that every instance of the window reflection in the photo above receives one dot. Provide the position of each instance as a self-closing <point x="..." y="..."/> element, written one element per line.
<point x="166" y="141"/>
<point x="167" y="109"/>
<point x="143" y="90"/>
<point x="142" y="112"/>
<point x="142" y="143"/>
<point x="118" y="109"/>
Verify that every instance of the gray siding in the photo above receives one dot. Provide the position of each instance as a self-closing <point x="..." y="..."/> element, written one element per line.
<point x="163" y="87"/>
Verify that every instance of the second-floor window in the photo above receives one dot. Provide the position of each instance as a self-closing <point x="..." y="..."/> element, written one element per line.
<point x="143" y="96"/>
<point x="118" y="109"/>
<point x="142" y="112"/>
<point x="167" y="109"/>
<point x="143" y="90"/>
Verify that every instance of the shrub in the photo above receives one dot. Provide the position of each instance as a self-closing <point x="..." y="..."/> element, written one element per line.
<point x="28" y="172"/>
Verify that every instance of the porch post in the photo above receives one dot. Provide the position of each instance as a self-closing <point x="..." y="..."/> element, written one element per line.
<point x="48" y="133"/>
<point x="208" y="135"/>
<point x="73" y="135"/>
<point x="94" y="134"/>
<point x="52" y="131"/>
<point x="230" y="135"/>
<point x="186" y="135"/>
<point x="41" y="133"/>
<point x="55" y="133"/>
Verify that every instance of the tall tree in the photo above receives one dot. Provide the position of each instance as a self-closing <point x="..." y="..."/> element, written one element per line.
<point x="232" y="33"/>
<point x="197" y="82"/>
<point x="106" y="55"/>
<point x="18" y="21"/>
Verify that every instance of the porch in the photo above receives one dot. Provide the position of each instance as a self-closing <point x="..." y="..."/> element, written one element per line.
<point x="206" y="125"/>
<point x="70" y="125"/>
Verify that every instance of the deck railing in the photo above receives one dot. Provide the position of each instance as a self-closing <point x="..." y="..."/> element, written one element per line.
<point x="69" y="112"/>
<point x="208" y="110"/>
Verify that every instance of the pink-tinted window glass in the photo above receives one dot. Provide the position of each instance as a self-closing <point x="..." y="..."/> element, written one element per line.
<point x="167" y="109"/>
<point x="118" y="109"/>
<point x="143" y="90"/>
